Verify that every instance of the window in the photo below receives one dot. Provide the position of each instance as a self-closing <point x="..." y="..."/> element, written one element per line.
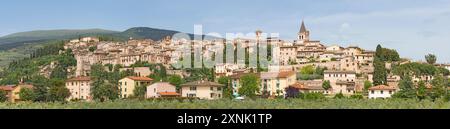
<point x="219" y="88"/>
<point x="381" y="92"/>
<point x="125" y="89"/>
<point x="193" y="88"/>
<point x="372" y="92"/>
<point x="192" y="95"/>
<point x="212" y="95"/>
<point x="154" y="90"/>
<point x="212" y="88"/>
<point x="390" y="92"/>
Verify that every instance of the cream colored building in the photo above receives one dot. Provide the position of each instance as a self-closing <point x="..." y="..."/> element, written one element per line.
<point x="341" y="81"/>
<point x="381" y="91"/>
<point x="288" y="55"/>
<point x="225" y="69"/>
<point x="13" y="91"/>
<point x="129" y="59"/>
<point x="161" y="89"/>
<point x="349" y="64"/>
<point x="335" y="48"/>
<point x="202" y="89"/>
<point x="352" y="51"/>
<point x="139" y="71"/>
<point x="274" y="83"/>
<point x="80" y="88"/>
<point x="128" y="84"/>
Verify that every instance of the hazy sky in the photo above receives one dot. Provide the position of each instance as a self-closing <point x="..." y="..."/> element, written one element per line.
<point x="413" y="27"/>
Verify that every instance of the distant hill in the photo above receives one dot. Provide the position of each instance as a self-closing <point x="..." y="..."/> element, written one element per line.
<point x="19" y="45"/>
<point x="22" y="38"/>
<point x="36" y="37"/>
<point x="153" y="33"/>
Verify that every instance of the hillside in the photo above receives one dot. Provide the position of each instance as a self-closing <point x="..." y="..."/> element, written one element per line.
<point x="152" y="33"/>
<point x="18" y="45"/>
<point x="30" y="37"/>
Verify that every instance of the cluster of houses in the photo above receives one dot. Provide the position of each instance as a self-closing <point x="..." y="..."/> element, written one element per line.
<point x="347" y="68"/>
<point x="12" y="91"/>
<point x="80" y="88"/>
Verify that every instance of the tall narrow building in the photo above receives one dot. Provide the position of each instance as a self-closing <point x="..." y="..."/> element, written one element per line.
<point x="303" y="34"/>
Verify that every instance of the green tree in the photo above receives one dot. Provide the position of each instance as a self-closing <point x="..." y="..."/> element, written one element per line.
<point x="249" y="85"/>
<point x="93" y="48"/>
<point x="227" y="90"/>
<point x="41" y="86"/>
<point x="431" y="59"/>
<point x="326" y="85"/>
<point x="421" y="90"/>
<point x="176" y="80"/>
<point x="339" y="96"/>
<point x="367" y="85"/>
<point x="140" y="91"/>
<point x="27" y="94"/>
<point x="58" y="93"/>
<point x="406" y="86"/>
<point x="102" y="88"/>
<point x="307" y="70"/>
<point x="320" y="71"/>
<point x="440" y="86"/>
<point x="379" y="73"/>
<point x="3" y="97"/>
<point x="105" y="91"/>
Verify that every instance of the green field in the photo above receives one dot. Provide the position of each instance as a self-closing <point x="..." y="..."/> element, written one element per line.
<point x="234" y="104"/>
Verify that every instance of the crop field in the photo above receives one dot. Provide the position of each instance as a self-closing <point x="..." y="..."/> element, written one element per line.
<point x="235" y="104"/>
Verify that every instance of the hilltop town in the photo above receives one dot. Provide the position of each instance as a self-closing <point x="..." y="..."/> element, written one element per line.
<point x="284" y="70"/>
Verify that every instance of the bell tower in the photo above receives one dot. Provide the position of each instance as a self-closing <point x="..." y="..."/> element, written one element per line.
<point x="303" y="34"/>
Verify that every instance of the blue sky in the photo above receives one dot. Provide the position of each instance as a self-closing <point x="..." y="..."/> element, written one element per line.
<point x="413" y="27"/>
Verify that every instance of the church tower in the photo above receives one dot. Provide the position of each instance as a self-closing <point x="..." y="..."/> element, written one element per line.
<point x="303" y="34"/>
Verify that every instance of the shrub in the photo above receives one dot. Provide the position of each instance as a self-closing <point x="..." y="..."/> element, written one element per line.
<point x="339" y="96"/>
<point x="312" y="96"/>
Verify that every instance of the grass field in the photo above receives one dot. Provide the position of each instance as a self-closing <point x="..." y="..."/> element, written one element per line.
<point x="233" y="104"/>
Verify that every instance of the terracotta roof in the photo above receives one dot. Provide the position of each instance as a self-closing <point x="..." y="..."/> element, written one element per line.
<point x="239" y="75"/>
<point x="382" y="87"/>
<point x="269" y="75"/>
<point x="283" y="74"/>
<point x="168" y="93"/>
<point x="140" y="78"/>
<point x="12" y="87"/>
<point x="202" y="83"/>
<point x="297" y="85"/>
<point x="26" y="85"/>
<point x="288" y="47"/>
<point x="301" y="86"/>
<point x="303" y="27"/>
<point x="286" y="74"/>
<point x="7" y="88"/>
<point x="345" y="82"/>
<point x="79" y="79"/>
